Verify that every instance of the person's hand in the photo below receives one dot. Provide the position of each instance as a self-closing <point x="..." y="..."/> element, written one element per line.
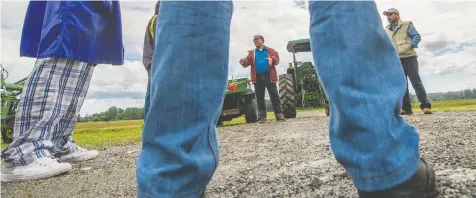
<point x="270" y="61"/>
<point x="242" y="62"/>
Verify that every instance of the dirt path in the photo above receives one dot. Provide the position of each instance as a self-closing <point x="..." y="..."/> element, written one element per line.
<point x="290" y="159"/>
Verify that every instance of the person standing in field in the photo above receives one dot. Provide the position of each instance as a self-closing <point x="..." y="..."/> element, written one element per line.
<point x="406" y="38"/>
<point x="148" y="51"/>
<point x="67" y="39"/>
<point x="375" y="145"/>
<point x="263" y="61"/>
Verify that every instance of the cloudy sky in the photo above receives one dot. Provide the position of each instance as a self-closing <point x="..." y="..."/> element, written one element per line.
<point x="447" y="52"/>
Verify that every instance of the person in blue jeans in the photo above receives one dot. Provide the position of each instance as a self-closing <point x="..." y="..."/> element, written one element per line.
<point x="375" y="145"/>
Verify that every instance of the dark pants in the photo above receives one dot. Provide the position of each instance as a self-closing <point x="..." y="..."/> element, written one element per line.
<point x="262" y="82"/>
<point x="410" y="67"/>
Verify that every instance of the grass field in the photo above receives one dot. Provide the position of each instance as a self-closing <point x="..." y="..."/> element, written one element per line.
<point x="99" y="135"/>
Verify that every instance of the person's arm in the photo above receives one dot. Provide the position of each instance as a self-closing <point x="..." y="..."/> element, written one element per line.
<point x="148" y="49"/>
<point x="274" y="57"/>
<point x="245" y="62"/>
<point x="414" y="35"/>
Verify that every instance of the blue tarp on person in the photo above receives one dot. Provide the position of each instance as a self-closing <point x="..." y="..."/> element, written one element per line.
<point x="68" y="39"/>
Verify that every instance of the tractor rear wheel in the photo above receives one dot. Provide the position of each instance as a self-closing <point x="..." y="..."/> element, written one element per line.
<point x="7" y="133"/>
<point x="251" y="110"/>
<point x="286" y="95"/>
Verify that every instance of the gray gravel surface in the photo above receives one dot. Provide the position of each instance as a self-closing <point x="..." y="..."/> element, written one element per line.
<point x="290" y="159"/>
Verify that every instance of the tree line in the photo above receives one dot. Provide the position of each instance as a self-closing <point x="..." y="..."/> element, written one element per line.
<point x="135" y="113"/>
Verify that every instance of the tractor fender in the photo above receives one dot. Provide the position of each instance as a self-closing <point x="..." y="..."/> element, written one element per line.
<point x="248" y="94"/>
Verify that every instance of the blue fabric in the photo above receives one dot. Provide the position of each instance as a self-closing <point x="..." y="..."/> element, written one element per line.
<point x="415" y="37"/>
<point x="88" y="31"/>
<point x="261" y="59"/>
<point x="369" y="138"/>
<point x="179" y="144"/>
<point x="147" y="96"/>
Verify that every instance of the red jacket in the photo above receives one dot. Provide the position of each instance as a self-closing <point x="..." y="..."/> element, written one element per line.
<point x="250" y="60"/>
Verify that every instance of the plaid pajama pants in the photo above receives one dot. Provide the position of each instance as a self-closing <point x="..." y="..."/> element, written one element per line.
<point x="48" y="109"/>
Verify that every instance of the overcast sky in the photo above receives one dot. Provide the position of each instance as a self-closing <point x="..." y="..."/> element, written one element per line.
<point x="447" y="52"/>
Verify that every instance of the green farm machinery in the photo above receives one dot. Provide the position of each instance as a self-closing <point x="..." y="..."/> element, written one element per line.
<point x="10" y="93"/>
<point x="239" y="99"/>
<point x="300" y="86"/>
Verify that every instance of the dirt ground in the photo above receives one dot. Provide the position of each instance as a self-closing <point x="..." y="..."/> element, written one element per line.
<point x="290" y="159"/>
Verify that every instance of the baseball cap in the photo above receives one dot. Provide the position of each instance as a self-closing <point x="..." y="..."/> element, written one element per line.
<point x="258" y="37"/>
<point x="391" y="10"/>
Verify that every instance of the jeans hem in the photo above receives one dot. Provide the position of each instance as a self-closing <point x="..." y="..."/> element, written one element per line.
<point x="141" y="194"/>
<point x="389" y="179"/>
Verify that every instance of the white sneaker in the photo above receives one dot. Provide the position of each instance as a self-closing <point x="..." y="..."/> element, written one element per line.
<point x="39" y="169"/>
<point x="78" y="154"/>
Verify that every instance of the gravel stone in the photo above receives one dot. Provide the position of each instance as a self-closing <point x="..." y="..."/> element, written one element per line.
<point x="275" y="159"/>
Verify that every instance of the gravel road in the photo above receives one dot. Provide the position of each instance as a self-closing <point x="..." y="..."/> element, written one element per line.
<point x="289" y="159"/>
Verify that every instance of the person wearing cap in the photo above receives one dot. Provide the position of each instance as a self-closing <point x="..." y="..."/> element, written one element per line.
<point x="263" y="61"/>
<point x="148" y="51"/>
<point x="406" y="39"/>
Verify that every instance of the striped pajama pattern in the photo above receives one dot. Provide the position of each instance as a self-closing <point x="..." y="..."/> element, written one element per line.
<point x="48" y="109"/>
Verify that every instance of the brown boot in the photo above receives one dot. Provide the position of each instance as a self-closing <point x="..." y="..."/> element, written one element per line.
<point x="403" y="112"/>
<point x="421" y="185"/>
<point x="427" y="111"/>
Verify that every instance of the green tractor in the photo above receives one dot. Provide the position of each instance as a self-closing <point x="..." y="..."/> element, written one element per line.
<point x="10" y="93"/>
<point x="300" y="86"/>
<point x="239" y="99"/>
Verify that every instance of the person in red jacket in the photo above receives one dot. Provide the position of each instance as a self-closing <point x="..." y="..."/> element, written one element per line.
<point x="263" y="61"/>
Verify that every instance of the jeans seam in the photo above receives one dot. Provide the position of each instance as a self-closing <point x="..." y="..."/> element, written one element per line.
<point x="215" y="154"/>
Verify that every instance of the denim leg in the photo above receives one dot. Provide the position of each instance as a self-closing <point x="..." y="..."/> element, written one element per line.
<point x="362" y="76"/>
<point x="147" y="96"/>
<point x="187" y="85"/>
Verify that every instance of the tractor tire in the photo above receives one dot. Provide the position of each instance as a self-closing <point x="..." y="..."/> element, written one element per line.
<point x="7" y="133"/>
<point x="251" y="111"/>
<point x="286" y="95"/>
<point x="219" y="123"/>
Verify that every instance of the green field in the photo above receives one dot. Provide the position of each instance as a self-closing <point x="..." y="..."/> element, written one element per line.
<point x="99" y="135"/>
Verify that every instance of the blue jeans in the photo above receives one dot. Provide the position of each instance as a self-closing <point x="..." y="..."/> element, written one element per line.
<point x="358" y="68"/>
<point x="147" y="96"/>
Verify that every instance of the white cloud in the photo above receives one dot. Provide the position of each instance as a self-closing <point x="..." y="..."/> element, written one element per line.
<point x="444" y="26"/>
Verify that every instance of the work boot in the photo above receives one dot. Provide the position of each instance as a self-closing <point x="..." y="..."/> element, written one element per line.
<point x="403" y="112"/>
<point x="427" y="111"/>
<point x="420" y="185"/>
